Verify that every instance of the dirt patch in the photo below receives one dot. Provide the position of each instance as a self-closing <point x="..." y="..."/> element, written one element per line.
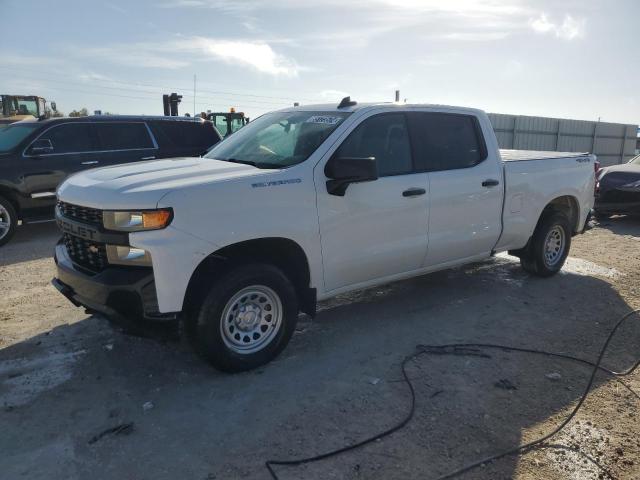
<point x="65" y="377"/>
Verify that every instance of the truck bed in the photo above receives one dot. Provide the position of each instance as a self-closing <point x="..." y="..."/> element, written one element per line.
<point x="532" y="179"/>
<point x="523" y="155"/>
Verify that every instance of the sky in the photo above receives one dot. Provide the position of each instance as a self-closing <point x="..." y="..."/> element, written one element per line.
<point x="568" y="59"/>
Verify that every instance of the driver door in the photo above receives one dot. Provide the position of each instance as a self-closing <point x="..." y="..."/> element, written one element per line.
<point x="377" y="229"/>
<point x="72" y="147"/>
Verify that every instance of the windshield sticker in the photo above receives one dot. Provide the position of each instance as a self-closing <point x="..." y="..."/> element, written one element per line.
<point x="325" y="120"/>
<point x="276" y="182"/>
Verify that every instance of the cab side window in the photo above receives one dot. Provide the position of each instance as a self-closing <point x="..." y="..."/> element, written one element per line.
<point x="70" y="138"/>
<point x="123" y="136"/>
<point x="184" y="134"/>
<point x="384" y="137"/>
<point x="444" y="141"/>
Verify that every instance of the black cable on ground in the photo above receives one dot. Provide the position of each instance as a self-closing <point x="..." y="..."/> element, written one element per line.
<point x="473" y="349"/>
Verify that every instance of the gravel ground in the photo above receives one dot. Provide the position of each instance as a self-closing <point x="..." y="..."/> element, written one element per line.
<point x="65" y="377"/>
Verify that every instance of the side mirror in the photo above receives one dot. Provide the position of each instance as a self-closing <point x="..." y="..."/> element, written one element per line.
<point x="343" y="171"/>
<point x="41" y="146"/>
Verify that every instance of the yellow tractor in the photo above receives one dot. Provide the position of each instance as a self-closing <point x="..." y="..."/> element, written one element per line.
<point x="227" y="122"/>
<point x="14" y="108"/>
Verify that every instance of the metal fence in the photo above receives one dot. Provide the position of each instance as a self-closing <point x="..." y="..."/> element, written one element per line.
<point x="612" y="142"/>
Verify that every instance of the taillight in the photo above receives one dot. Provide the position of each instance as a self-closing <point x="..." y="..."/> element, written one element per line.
<point x="596" y="167"/>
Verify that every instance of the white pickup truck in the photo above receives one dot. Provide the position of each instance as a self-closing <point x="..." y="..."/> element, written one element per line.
<point x="303" y="204"/>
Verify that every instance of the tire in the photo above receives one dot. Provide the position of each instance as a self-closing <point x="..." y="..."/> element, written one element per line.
<point x="260" y="307"/>
<point x="549" y="245"/>
<point x="8" y="220"/>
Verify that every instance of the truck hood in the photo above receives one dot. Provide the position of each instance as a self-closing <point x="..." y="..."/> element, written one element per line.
<point x="143" y="184"/>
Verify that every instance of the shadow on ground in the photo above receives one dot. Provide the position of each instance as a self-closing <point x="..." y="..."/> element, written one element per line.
<point x="336" y="383"/>
<point x="621" y="225"/>
<point x="30" y="242"/>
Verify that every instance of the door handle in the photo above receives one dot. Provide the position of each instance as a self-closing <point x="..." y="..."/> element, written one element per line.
<point x="91" y="162"/>
<point x="490" y="183"/>
<point x="412" y="192"/>
<point x="148" y="158"/>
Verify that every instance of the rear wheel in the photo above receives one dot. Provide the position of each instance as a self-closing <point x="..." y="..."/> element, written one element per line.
<point x="246" y="319"/>
<point x="549" y="246"/>
<point x="8" y="220"/>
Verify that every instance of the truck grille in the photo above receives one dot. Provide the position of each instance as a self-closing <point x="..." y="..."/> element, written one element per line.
<point x="82" y="214"/>
<point x="86" y="253"/>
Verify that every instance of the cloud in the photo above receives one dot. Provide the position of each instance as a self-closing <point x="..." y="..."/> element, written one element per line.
<point x="333" y="95"/>
<point x="25" y="60"/>
<point x="143" y="55"/>
<point x="464" y="8"/>
<point x="569" y="29"/>
<point x="222" y="5"/>
<point x="475" y="36"/>
<point x="457" y="20"/>
<point x="92" y="76"/>
<point x="116" y="8"/>
<point x="183" y="51"/>
<point x="459" y="7"/>
<point x="256" y="54"/>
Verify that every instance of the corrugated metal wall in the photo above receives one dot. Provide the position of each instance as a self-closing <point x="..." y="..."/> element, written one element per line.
<point x="611" y="142"/>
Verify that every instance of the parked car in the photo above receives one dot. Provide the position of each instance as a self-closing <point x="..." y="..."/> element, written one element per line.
<point x="618" y="189"/>
<point x="304" y="204"/>
<point x="35" y="156"/>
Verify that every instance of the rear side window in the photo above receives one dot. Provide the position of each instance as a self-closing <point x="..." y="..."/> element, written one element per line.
<point x="123" y="136"/>
<point x="384" y="137"/>
<point x="444" y="141"/>
<point x="70" y="138"/>
<point x="200" y="135"/>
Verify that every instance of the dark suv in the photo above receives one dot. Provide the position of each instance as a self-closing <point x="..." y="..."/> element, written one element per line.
<point x="36" y="156"/>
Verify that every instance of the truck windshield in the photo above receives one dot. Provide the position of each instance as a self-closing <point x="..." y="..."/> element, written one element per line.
<point x="278" y="139"/>
<point x="12" y="135"/>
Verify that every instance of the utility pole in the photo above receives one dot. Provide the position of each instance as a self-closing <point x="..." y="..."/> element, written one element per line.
<point x="397" y="95"/>
<point x="194" y="95"/>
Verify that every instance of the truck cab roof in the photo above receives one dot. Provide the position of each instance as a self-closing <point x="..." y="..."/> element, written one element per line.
<point x="357" y="107"/>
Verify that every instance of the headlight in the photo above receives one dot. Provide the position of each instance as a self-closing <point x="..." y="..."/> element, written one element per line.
<point x="125" y="255"/>
<point x="137" y="221"/>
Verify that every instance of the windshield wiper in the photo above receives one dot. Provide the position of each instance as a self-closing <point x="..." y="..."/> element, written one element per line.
<point x="235" y="160"/>
<point x="253" y="164"/>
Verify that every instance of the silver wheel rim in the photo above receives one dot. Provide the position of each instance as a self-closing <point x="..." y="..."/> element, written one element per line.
<point x="554" y="246"/>
<point x="251" y="319"/>
<point x="5" y="222"/>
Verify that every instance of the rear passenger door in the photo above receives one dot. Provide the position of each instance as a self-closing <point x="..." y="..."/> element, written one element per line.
<point x="124" y="142"/>
<point x="465" y="184"/>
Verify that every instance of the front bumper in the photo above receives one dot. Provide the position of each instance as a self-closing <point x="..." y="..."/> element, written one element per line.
<point x="116" y="292"/>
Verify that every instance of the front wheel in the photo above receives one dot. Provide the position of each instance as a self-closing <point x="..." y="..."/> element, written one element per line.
<point x="8" y="220"/>
<point x="549" y="246"/>
<point x="247" y="318"/>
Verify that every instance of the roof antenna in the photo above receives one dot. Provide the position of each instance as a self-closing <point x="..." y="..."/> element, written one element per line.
<point x="347" y="102"/>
